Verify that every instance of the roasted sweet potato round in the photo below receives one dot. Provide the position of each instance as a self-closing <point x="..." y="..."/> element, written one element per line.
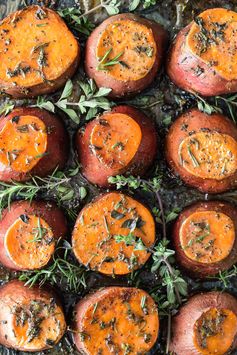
<point x="32" y="142"/>
<point x="123" y="140"/>
<point x="28" y="234"/>
<point x="206" y="325"/>
<point x="205" y="238"/>
<point x="31" y="319"/>
<point x="203" y="58"/>
<point x="124" y="53"/>
<point x="116" y="320"/>
<point x="202" y="150"/>
<point x="98" y="225"/>
<point x="35" y="57"/>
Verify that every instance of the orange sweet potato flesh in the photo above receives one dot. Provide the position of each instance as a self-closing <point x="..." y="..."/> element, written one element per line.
<point x="114" y="319"/>
<point x="140" y="45"/>
<point x="98" y="223"/>
<point x="122" y="141"/>
<point x="35" y="57"/>
<point x="223" y="324"/>
<point x="204" y="238"/>
<point x="22" y="309"/>
<point x="203" y="57"/>
<point x="32" y="142"/>
<point x="28" y="233"/>
<point x="202" y="150"/>
<point x="204" y="311"/>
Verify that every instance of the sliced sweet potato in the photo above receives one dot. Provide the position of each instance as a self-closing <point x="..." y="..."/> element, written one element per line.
<point x="203" y="57"/>
<point x="32" y="142"/>
<point x="35" y="57"/>
<point x="206" y="325"/>
<point x="124" y="53"/>
<point x="98" y="224"/>
<point x="202" y="150"/>
<point x="204" y="238"/>
<point x="116" y="320"/>
<point x="31" y="319"/>
<point x="28" y="233"/>
<point x="122" y="141"/>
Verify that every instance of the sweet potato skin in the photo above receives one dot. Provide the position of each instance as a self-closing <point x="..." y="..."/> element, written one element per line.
<point x="46" y="86"/>
<point x="93" y="298"/>
<point x="95" y="171"/>
<point x="15" y="292"/>
<point x="102" y="79"/>
<point x="183" y="322"/>
<point x="194" y="120"/>
<point x="57" y="145"/>
<point x="46" y="210"/>
<point x="196" y="269"/>
<point x="181" y="67"/>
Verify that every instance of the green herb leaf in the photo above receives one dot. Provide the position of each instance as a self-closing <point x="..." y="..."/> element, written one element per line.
<point x="112" y="6"/>
<point x="82" y="192"/>
<point x="76" y="21"/>
<point x="133" y="5"/>
<point x="7" y="108"/>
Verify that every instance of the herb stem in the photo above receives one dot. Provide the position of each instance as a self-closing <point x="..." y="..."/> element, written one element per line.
<point x="169" y="267"/>
<point x="101" y="5"/>
<point x="168" y="334"/>
<point x="161" y="207"/>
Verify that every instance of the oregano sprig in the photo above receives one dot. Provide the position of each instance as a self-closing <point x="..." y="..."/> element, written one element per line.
<point x="90" y="102"/>
<point x="78" y="20"/>
<point x="134" y="4"/>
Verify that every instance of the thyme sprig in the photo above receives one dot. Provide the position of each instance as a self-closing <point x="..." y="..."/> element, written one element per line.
<point x="228" y="102"/>
<point x="61" y="271"/>
<point x="231" y="104"/>
<point x="226" y="276"/>
<point x="90" y="102"/>
<point x="163" y="261"/>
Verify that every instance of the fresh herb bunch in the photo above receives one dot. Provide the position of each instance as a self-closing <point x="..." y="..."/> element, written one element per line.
<point x="91" y="101"/>
<point x="61" y="271"/>
<point x="58" y="182"/>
